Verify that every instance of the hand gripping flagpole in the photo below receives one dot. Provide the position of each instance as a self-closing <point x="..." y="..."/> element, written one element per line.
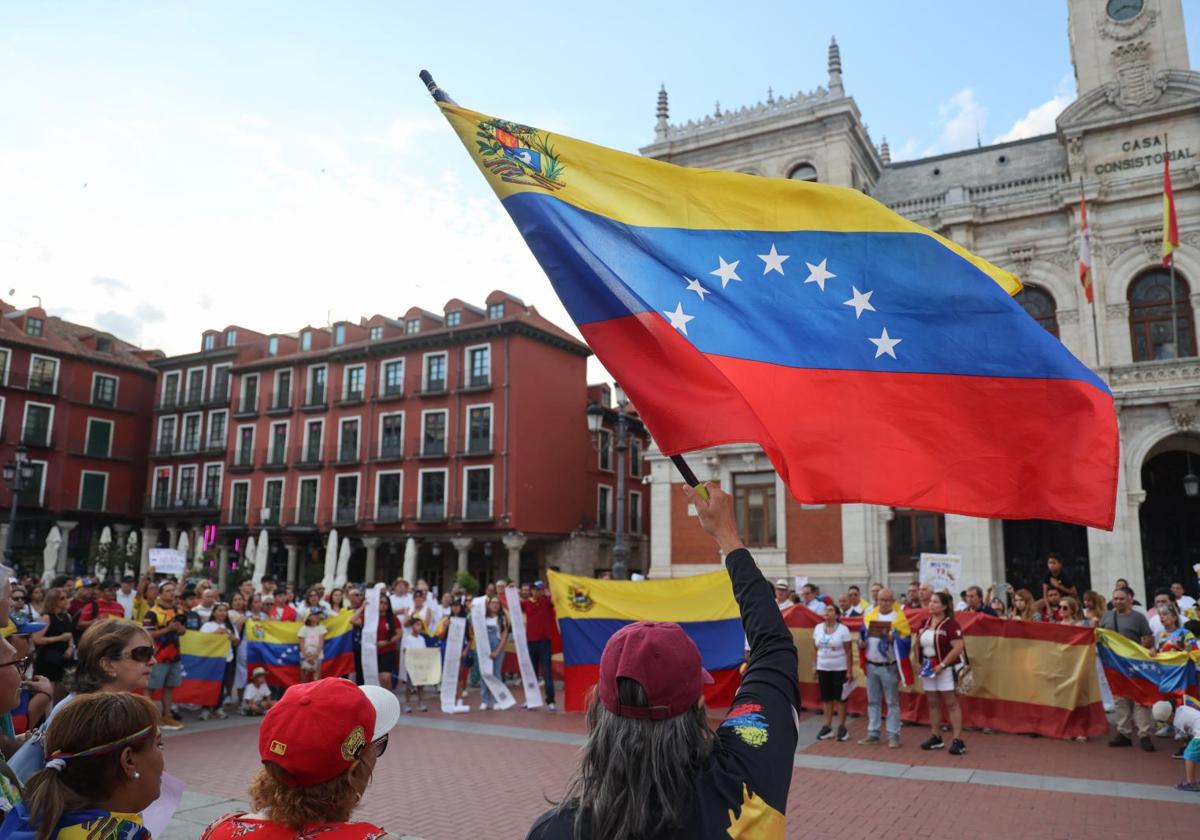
<point x="440" y="95"/>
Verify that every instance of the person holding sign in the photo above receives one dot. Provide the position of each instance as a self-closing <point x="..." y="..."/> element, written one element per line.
<point x="833" y="669"/>
<point x="414" y="639"/>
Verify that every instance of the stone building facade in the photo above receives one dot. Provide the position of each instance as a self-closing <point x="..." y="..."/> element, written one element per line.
<point x="1017" y="205"/>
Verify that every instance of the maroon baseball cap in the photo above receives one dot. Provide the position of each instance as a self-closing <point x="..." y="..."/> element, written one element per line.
<point x="663" y="660"/>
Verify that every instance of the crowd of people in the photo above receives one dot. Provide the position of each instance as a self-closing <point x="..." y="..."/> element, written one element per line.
<point x="75" y="737"/>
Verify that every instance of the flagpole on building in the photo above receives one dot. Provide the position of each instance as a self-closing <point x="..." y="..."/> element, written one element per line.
<point x="1087" y="231"/>
<point x="1166" y="236"/>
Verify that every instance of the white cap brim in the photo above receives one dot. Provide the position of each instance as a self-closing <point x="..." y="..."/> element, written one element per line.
<point x="387" y="709"/>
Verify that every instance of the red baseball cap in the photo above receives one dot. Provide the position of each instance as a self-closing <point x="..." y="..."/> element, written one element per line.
<point x="663" y="660"/>
<point x="317" y="731"/>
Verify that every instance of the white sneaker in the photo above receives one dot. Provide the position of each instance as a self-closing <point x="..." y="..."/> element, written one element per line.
<point x="551" y="707"/>
<point x="462" y="707"/>
<point x="219" y="714"/>
<point x="483" y="707"/>
<point x="204" y="715"/>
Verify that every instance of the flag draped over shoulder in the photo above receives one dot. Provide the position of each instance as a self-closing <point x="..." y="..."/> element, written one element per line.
<point x="873" y="360"/>
<point x="1134" y="672"/>
<point x="275" y="646"/>
<point x="590" y="611"/>
<point x="900" y="642"/>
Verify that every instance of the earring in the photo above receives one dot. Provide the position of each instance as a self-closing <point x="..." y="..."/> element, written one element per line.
<point x="137" y="775"/>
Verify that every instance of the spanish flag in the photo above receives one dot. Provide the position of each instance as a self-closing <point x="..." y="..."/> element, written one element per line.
<point x="872" y="359"/>
<point x="590" y="611"/>
<point x="1170" y="222"/>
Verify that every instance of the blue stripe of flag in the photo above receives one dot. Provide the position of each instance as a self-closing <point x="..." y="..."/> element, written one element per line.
<point x="721" y="643"/>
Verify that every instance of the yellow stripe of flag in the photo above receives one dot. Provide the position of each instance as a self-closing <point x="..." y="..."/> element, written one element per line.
<point x="700" y="598"/>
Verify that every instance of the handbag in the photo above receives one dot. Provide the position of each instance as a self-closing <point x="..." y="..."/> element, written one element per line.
<point x="964" y="674"/>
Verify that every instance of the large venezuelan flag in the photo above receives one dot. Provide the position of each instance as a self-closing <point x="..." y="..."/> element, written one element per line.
<point x="812" y="320"/>
<point x="1030" y="677"/>
<point x="203" y="661"/>
<point x="275" y="645"/>
<point x="1142" y="676"/>
<point x="590" y="611"/>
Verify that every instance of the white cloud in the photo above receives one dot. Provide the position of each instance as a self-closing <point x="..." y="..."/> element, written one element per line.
<point x="1040" y="119"/>
<point x="907" y="151"/>
<point x="963" y="119"/>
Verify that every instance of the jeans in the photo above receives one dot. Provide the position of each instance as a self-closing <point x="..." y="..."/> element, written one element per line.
<point x="493" y="664"/>
<point x="883" y="683"/>
<point x="540" y="653"/>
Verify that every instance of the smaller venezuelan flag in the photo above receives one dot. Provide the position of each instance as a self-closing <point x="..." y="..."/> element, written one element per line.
<point x="590" y="611"/>
<point x="275" y="646"/>
<point x="203" y="661"/>
<point x="1145" y="678"/>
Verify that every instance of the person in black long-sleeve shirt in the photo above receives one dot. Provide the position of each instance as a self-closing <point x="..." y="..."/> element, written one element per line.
<point x="651" y="767"/>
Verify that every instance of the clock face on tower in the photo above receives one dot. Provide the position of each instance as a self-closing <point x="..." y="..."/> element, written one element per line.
<point x="1122" y="10"/>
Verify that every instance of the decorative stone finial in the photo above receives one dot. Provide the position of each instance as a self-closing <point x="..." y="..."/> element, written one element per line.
<point x="885" y="154"/>
<point x="770" y="96"/>
<point x="835" y="68"/>
<point x="717" y="112"/>
<point x="662" y="113"/>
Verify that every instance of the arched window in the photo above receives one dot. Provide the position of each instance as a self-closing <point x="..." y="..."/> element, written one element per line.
<point x="1150" y="320"/>
<point x="804" y="172"/>
<point x="1039" y="303"/>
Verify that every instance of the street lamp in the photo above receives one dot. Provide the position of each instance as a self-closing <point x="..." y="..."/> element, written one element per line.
<point x="1191" y="484"/>
<point x="623" y="425"/>
<point x="16" y="473"/>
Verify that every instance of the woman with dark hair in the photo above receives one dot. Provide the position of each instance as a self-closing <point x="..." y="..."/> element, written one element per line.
<point x="220" y="622"/>
<point x="458" y="609"/>
<point x="105" y="767"/>
<point x="54" y="641"/>
<point x="497" y="630"/>
<point x="833" y="667"/>
<point x="318" y="746"/>
<point x="942" y="648"/>
<point x="651" y="767"/>
<point x="387" y="640"/>
<point x="114" y="657"/>
<point x="337" y="601"/>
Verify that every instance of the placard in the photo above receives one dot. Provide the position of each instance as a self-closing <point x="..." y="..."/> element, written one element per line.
<point x="167" y="561"/>
<point x="424" y="665"/>
<point x="942" y="572"/>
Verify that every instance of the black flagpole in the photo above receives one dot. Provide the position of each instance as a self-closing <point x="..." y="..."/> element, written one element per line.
<point x="440" y="95"/>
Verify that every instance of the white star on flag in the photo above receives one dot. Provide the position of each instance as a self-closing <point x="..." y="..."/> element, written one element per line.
<point x="860" y="302"/>
<point x="679" y="320"/>
<point x="726" y="271"/>
<point x="694" y="286"/>
<point x="773" y="261"/>
<point x="885" y="344"/>
<point x="819" y="273"/>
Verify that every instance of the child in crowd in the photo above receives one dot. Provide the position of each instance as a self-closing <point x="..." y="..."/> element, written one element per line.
<point x="413" y="639"/>
<point x="1186" y="722"/>
<point x="312" y="644"/>
<point x="257" y="697"/>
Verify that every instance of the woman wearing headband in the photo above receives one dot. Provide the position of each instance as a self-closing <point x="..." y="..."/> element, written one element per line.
<point x="114" y="656"/>
<point x="104" y="768"/>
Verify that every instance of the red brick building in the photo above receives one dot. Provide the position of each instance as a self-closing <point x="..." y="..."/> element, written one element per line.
<point x="79" y="400"/>
<point x="465" y="430"/>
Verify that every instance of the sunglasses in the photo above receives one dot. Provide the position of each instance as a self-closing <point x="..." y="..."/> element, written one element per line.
<point x="142" y="653"/>
<point x="379" y="746"/>
<point x="19" y="664"/>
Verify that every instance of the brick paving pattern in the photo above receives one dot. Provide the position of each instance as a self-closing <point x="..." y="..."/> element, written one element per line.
<point x="438" y="765"/>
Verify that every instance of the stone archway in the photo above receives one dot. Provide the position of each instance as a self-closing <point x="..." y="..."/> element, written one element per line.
<point x="1169" y="519"/>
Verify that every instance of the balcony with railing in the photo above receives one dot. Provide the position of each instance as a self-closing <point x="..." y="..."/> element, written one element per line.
<point x="308" y="456"/>
<point x="348" y="454"/>
<point x="246" y="409"/>
<point x="237" y="516"/>
<point x="433" y="448"/>
<point x="478" y="510"/>
<point x="38" y="436"/>
<point x="477" y="447"/>
<point x="159" y="504"/>
<point x="276" y="458"/>
<point x="241" y="461"/>
<point x="434" y="511"/>
<point x="280" y="405"/>
<point x="389" y="391"/>
<point x="353" y="396"/>
<point x="345" y="514"/>
<point x="302" y="518"/>
<point x="433" y="388"/>
<point x="315" y="400"/>
<point x="475" y="382"/>
<point x="387" y="514"/>
<point x="389" y="451"/>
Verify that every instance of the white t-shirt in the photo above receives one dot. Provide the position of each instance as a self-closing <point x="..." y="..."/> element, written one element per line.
<point x="256" y="693"/>
<point x="1187" y="721"/>
<point x="1185" y="602"/>
<point x="126" y="601"/>
<point x="831" y="653"/>
<point x="310" y="638"/>
<point x="410" y="641"/>
<point x="928" y="644"/>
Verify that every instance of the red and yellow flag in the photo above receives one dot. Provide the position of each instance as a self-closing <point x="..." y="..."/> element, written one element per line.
<point x="1085" y="251"/>
<point x="1170" y="222"/>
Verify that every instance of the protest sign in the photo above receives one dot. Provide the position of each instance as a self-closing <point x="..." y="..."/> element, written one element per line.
<point x="424" y="665"/>
<point x="167" y="561"/>
<point x="941" y="571"/>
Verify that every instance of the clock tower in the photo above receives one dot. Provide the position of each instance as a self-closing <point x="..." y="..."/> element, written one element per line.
<point x="1126" y="46"/>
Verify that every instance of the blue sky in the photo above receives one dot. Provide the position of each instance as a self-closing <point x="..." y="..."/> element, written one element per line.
<point x="174" y="166"/>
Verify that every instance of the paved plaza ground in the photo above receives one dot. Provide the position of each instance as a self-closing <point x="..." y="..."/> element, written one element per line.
<point x="440" y="768"/>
